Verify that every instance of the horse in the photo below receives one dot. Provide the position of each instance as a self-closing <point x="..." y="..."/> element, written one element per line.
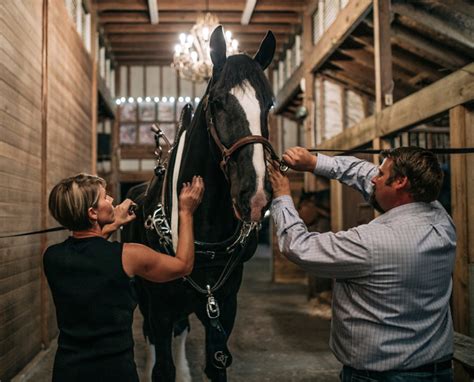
<point x="226" y="143"/>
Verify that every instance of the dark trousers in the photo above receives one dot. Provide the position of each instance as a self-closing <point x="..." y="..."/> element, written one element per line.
<point x="349" y="374"/>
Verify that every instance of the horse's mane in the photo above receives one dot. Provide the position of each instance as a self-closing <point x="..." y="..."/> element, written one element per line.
<point x="239" y="68"/>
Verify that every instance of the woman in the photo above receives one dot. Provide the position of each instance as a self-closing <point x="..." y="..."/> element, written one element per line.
<point x="90" y="277"/>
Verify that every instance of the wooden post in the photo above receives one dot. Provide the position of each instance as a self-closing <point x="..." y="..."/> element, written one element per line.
<point x="94" y="91"/>
<point x="382" y="55"/>
<point x="462" y="194"/>
<point x="308" y="100"/>
<point x="383" y="64"/>
<point x="44" y="297"/>
<point x="115" y="140"/>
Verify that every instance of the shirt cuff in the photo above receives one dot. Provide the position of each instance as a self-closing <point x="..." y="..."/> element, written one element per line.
<point x="325" y="166"/>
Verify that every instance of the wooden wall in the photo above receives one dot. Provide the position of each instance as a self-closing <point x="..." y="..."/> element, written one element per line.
<point x="45" y="130"/>
<point x="20" y="186"/>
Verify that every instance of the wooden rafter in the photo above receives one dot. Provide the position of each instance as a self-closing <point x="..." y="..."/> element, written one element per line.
<point x="177" y="17"/>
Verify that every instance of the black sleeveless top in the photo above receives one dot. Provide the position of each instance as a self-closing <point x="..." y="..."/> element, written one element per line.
<point x="94" y="308"/>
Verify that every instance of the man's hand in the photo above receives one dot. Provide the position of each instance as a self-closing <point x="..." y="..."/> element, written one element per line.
<point x="299" y="159"/>
<point x="280" y="182"/>
<point x="191" y="195"/>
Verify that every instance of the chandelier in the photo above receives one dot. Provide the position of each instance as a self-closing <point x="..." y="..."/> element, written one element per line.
<point x="192" y="57"/>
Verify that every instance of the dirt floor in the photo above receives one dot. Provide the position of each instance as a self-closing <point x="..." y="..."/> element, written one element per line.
<point x="275" y="337"/>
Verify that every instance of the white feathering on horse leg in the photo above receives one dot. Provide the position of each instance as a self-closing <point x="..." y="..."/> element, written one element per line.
<point x="183" y="374"/>
<point x="150" y="360"/>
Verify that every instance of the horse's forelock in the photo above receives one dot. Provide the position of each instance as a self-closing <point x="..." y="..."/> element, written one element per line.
<point x="239" y="69"/>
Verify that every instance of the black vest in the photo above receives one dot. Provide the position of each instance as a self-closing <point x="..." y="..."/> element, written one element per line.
<point x="94" y="302"/>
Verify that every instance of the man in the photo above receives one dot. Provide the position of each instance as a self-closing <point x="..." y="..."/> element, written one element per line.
<point x="391" y="315"/>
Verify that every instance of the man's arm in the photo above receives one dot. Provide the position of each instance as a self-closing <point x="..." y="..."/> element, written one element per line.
<point x="345" y="254"/>
<point x="351" y="171"/>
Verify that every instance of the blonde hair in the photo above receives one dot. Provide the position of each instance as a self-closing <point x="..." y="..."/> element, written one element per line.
<point x="70" y="200"/>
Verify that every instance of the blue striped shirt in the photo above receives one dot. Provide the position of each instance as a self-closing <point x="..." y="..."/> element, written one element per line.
<point x="392" y="276"/>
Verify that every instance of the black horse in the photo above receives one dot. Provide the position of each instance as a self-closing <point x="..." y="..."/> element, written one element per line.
<point x="225" y="142"/>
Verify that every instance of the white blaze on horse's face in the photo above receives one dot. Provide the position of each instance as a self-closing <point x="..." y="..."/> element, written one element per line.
<point x="248" y="101"/>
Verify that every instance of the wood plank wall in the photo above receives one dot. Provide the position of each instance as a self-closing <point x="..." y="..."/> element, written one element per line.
<point x="24" y="310"/>
<point x="20" y="186"/>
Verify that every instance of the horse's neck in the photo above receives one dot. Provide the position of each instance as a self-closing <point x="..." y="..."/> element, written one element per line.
<point x="214" y="220"/>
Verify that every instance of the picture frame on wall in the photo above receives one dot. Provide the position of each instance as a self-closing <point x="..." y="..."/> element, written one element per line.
<point x="166" y="111"/>
<point x="145" y="135"/>
<point x="146" y="111"/>
<point x="128" y="134"/>
<point x="128" y="112"/>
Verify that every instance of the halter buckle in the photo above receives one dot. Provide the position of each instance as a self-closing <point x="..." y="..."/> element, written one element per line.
<point x="212" y="307"/>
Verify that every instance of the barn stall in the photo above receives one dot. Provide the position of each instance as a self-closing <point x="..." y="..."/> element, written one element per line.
<point x="83" y="80"/>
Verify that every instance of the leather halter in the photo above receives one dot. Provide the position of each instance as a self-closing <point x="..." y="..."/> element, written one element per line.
<point x="244" y="141"/>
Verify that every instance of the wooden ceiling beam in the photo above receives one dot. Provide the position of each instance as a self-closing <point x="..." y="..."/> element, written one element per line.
<point x="168" y="47"/>
<point x="346" y="21"/>
<point x="400" y="57"/>
<point x="178" y="28"/>
<point x="197" y="6"/>
<point x="174" y="37"/>
<point x="122" y="5"/>
<point x="425" y="48"/>
<point x="190" y="17"/>
<point x="438" y="28"/>
<point x="461" y="7"/>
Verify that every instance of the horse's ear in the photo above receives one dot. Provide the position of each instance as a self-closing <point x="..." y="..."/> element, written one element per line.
<point x="265" y="53"/>
<point x="218" y="48"/>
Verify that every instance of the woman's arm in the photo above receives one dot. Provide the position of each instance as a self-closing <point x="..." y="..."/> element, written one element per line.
<point x="143" y="261"/>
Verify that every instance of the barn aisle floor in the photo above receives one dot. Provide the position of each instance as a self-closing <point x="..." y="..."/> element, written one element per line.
<point x="274" y="339"/>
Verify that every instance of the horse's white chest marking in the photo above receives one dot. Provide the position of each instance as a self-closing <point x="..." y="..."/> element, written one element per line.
<point x="174" y="212"/>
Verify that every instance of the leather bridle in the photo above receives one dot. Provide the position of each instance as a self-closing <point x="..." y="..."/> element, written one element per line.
<point x="227" y="152"/>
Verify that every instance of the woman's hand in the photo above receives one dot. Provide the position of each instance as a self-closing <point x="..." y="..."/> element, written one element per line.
<point x="191" y="195"/>
<point x="123" y="213"/>
<point x="300" y="159"/>
<point x="280" y="182"/>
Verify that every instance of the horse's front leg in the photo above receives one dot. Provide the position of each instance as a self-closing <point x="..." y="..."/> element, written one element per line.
<point x="162" y="329"/>
<point x="218" y="330"/>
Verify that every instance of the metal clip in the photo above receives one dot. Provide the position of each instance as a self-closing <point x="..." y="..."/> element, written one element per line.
<point x="283" y="167"/>
<point x="212" y="307"/>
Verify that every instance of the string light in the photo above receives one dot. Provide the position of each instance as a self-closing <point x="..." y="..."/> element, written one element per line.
<point x="156" y="99"/>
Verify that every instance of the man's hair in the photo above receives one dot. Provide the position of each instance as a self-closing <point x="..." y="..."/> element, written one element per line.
<point x="422" y="169"/>
<point x="70" y="200"/>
